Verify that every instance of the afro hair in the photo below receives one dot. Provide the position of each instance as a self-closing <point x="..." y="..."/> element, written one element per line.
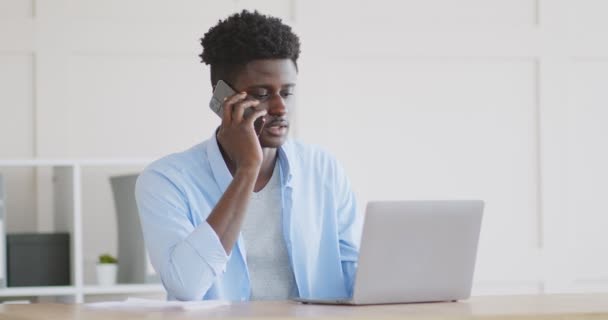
<point x="244" y="37"/>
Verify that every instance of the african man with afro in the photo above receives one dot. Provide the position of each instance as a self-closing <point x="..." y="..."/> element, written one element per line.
<point x="250" y="214"/>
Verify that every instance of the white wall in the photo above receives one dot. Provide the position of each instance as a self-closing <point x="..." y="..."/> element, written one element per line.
<point x="501" y="100"/>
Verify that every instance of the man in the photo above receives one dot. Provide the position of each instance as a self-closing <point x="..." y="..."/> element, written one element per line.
<point x="249" y="214"/>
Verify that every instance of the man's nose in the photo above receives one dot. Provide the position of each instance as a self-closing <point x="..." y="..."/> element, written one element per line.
<point x="276" y="106"/>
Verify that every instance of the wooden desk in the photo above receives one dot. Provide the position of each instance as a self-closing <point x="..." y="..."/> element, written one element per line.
<point x="583" y="306"/>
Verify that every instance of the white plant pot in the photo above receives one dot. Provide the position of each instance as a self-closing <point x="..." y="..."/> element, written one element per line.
<point x="106" y="274"/>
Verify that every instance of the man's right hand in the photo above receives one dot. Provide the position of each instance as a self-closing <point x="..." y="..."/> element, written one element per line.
<point x="240" y="143"/>
<point x="237" y="134"/>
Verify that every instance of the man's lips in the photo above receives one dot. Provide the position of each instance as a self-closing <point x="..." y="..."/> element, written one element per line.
<point x="277" y="127"/>
<point x="277" y="123"/>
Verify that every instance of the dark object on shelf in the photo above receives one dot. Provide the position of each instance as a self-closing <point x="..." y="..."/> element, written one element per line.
<point x="38" y="259"/>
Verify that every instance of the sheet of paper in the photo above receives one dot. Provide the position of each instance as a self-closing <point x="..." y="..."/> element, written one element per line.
<point x="148" y="304"/>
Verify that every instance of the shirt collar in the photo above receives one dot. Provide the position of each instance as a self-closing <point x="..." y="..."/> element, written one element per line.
<point x="286" y="158"/>
<point x="222" y="175"/>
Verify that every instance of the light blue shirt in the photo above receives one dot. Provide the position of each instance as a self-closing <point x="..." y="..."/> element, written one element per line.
<point x="321" y="227"/>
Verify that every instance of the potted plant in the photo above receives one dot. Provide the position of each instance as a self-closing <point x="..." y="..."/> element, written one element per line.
<point x="106" y="270"/>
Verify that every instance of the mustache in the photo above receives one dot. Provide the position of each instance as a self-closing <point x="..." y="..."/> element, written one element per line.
<point x="276" y="122"/>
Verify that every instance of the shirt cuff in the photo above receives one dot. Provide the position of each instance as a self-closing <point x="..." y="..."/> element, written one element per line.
<point x="208" y="246"/>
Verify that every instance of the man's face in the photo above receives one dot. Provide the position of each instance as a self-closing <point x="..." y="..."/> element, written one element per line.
<point x="273" y="83"/>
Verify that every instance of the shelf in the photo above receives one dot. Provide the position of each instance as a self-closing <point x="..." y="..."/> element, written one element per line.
<point x="124" y="289"/>
<point x="37" y="291"/>
<point x="70" y="290"/>
<point x="64" y="187"/>
<point x="73" y="162"/>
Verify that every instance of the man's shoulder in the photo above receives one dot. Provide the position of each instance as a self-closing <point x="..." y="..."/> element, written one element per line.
<point x="311" y="154"/>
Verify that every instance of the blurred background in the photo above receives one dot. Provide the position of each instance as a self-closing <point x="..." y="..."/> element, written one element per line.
<point x="500" y="100"/>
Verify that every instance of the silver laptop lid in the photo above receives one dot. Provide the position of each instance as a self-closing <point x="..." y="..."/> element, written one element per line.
<point x="417" y="251"/>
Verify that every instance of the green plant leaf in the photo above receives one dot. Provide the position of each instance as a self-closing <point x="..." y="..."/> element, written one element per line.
<point x="107" y="258"/>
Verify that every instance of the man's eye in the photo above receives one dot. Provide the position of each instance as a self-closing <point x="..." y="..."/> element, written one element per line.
<point x="260" y="95"/>
<point x="286" y="94"/>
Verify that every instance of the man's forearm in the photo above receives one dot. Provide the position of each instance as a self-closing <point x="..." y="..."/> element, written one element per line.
<point x="227" y="216"/>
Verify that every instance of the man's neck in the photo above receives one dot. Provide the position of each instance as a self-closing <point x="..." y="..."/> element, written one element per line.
<point x="266" y="169"/>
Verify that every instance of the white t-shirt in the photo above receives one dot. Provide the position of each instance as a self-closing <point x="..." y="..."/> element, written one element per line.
<point x="267" y="258"/>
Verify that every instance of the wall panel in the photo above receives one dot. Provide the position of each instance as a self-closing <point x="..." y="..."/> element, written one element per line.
<point x="587" y="14"/>
<point x="16" y="9"/>
<point x="16" y="138"/>
<point x="587" y="169"/>
<point x="137" y="106"/>
<point x="425" y="14"/>
<point x="161" y="11"/>
<point x="437" y="129"/>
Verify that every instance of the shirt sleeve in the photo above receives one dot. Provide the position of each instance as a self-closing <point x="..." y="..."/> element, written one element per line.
<point x="188" y="259"/>
<point x="349" y="228"/>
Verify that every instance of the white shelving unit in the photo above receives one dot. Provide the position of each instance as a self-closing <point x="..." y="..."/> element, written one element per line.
<point x="82" y="291"/>
<point x="124" y="289"/>
<point x="67" y="184"/>
<point x="38" y="291"/>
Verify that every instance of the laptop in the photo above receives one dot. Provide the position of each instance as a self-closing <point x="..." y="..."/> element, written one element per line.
<point x="415" y="251"/>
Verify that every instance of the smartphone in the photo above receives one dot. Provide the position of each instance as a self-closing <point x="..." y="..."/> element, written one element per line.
<point x="223" y="90"/>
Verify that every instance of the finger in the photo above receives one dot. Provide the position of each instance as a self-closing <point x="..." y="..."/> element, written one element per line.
<point x="238" y="109"/>
<point x="228" y="102"/>
<point x="236" y="97"/>
<point x="255" y="115"/>
<point x="259" y="125"/>
<point x="227" y="117"/>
